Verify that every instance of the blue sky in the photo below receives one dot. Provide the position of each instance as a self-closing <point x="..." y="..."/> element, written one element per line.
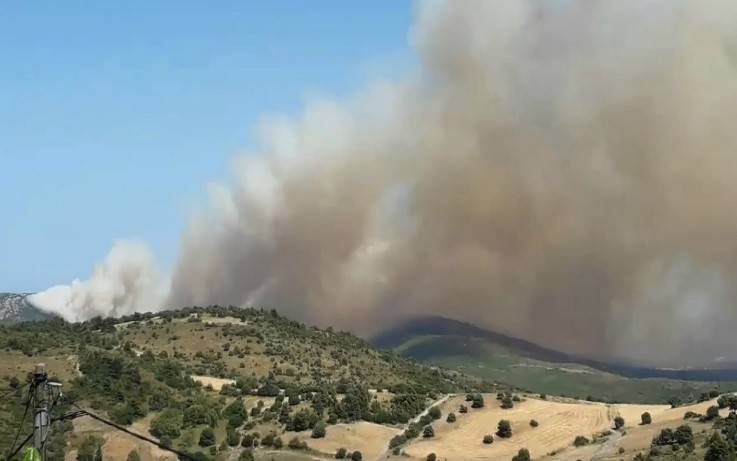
<point x="114" y="116"/>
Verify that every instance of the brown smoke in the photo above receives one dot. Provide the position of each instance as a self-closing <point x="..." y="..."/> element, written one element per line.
<point x="565" y="171"/>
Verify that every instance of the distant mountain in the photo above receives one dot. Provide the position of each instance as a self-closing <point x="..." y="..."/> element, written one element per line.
<point x="15" y="307"/>
<point x="436" y="338"/>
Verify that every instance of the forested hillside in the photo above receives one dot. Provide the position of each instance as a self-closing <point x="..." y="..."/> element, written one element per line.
<point x="262" y="374"/>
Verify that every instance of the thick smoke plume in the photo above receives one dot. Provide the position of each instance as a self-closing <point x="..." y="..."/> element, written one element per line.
<point x="564" y="171"/>
<point x="125" y="283"/>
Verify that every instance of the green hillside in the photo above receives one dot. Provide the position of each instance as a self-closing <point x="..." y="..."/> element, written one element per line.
<point x="487" y="359"/>
<point x="283" y="376"/>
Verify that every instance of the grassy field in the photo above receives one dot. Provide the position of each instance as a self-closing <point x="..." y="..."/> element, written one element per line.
<point x="477" y="356"/>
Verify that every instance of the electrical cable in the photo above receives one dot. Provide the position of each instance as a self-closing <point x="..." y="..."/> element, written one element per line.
<point x="84" y="412"/>
<point x="21" y="445"/>
<point x="23" y="420"/>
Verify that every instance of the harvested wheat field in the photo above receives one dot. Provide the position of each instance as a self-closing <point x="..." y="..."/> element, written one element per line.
<point x="370" y="439"/>
<point x="216" y="383"/>
<point x="559" y="423"/>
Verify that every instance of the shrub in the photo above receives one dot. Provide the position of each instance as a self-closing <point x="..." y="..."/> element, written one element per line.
<point x="580" y="441"/>
<point x="428" y="432"/>
<point x="488" y="439"/>
<point x="319" y="430"/>
<point x="356" y="456"/>
<point x="718" y="449"/>
<point x="507" y="402"/>
<point x="278" y="443"/>
<point x="340" y="454"/>
<point x="504" y="429"/>
<point x="682" y="436"/>
<point x="296" y="444"/>
<point x="207" y="437"/>
<point x="712" y="412"/>
<point x="233" y="438"/>
<point x="522" y="455"/>
<point x="247" y="441"/>
<point x="133" y="456"/>
<point x="618" y="422"/>
<point x="690" y="414"/>
<point x="478" y="401"/>
<point x="463" y="409"/>
<point x="246" y="455"/>
<point x="543" y="397"/>
<point x="431" y="457"/>
<point x="646" y="418"/>
<point x="397" y="440"/>
<point x="434" y="413"/>
<point x="168" y="423"/>
<point x="451" y="418"/>
<point x="534" y="423"/>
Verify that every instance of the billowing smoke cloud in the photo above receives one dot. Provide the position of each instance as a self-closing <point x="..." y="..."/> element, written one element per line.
<point x="125" y="283"/>
<point x="564" y="171"/>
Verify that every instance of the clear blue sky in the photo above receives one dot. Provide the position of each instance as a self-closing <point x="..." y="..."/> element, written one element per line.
<point x="115" y="115"/>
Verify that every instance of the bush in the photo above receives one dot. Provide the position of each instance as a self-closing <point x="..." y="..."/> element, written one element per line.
<point x="168" y="423"/>
<point x="278" y="443"/>
<point x="268" y="440"/>
<point x="534" y="423"/>
<point x="618" y="422"/>
<point x="207" y="437"/>
<point x="478" y="401"/>
<point x="580" y="441"/>
<point x="133" y="456"/>
<point x="319" y="430"/>
<point x="247" y="441"/>
<point x="463" y="409"/>
<point x="712" y="412"/>
<point x="522" y="455"/>
<point x="397" y="440"/>
<point x="296" y="444"/>
<point x="543" y="397"/>
<point x="488" y="439"/>
<point x="233" y="438"/>
<point x="246" y="455"/>
<point x="428" y="432"/>
<point x="356" y="456"/>
<point x="646" y="418"/>
<point x="682" y="436"/>
<point x="718" y="449"/>
<point x="434" y="413"/>
<point x="340" y="454"/>
<point x="504" y="429"/>
<point x="507" y="402"/>
<point x="431" y="457"/>
<point x="451" y="418"/>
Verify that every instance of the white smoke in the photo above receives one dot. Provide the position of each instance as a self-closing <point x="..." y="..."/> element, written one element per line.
<point x="125" y="283"/>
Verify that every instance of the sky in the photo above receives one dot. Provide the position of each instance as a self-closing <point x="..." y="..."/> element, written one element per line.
<point x="114" y="116"/>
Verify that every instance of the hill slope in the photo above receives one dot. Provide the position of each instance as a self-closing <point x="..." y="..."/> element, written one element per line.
<point x="140" y="369"/>
<point x="523" y="364"/>
<point x="14" y="307"/>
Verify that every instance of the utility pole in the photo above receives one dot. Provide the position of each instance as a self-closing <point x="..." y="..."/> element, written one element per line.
<point x="41" y="394"/>
<point x="44" y="394"/>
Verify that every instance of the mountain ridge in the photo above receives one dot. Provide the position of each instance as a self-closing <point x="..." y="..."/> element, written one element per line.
<point x="394" y="337"/>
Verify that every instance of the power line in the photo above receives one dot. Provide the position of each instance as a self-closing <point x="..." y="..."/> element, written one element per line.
<point x="23" y="420"/>
<point x="21" y="445"/>
<point x="84" y="412"/>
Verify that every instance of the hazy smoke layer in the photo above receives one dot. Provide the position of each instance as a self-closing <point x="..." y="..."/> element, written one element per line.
<point x="565" y="171"/>
<point x="127" y="282"/>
